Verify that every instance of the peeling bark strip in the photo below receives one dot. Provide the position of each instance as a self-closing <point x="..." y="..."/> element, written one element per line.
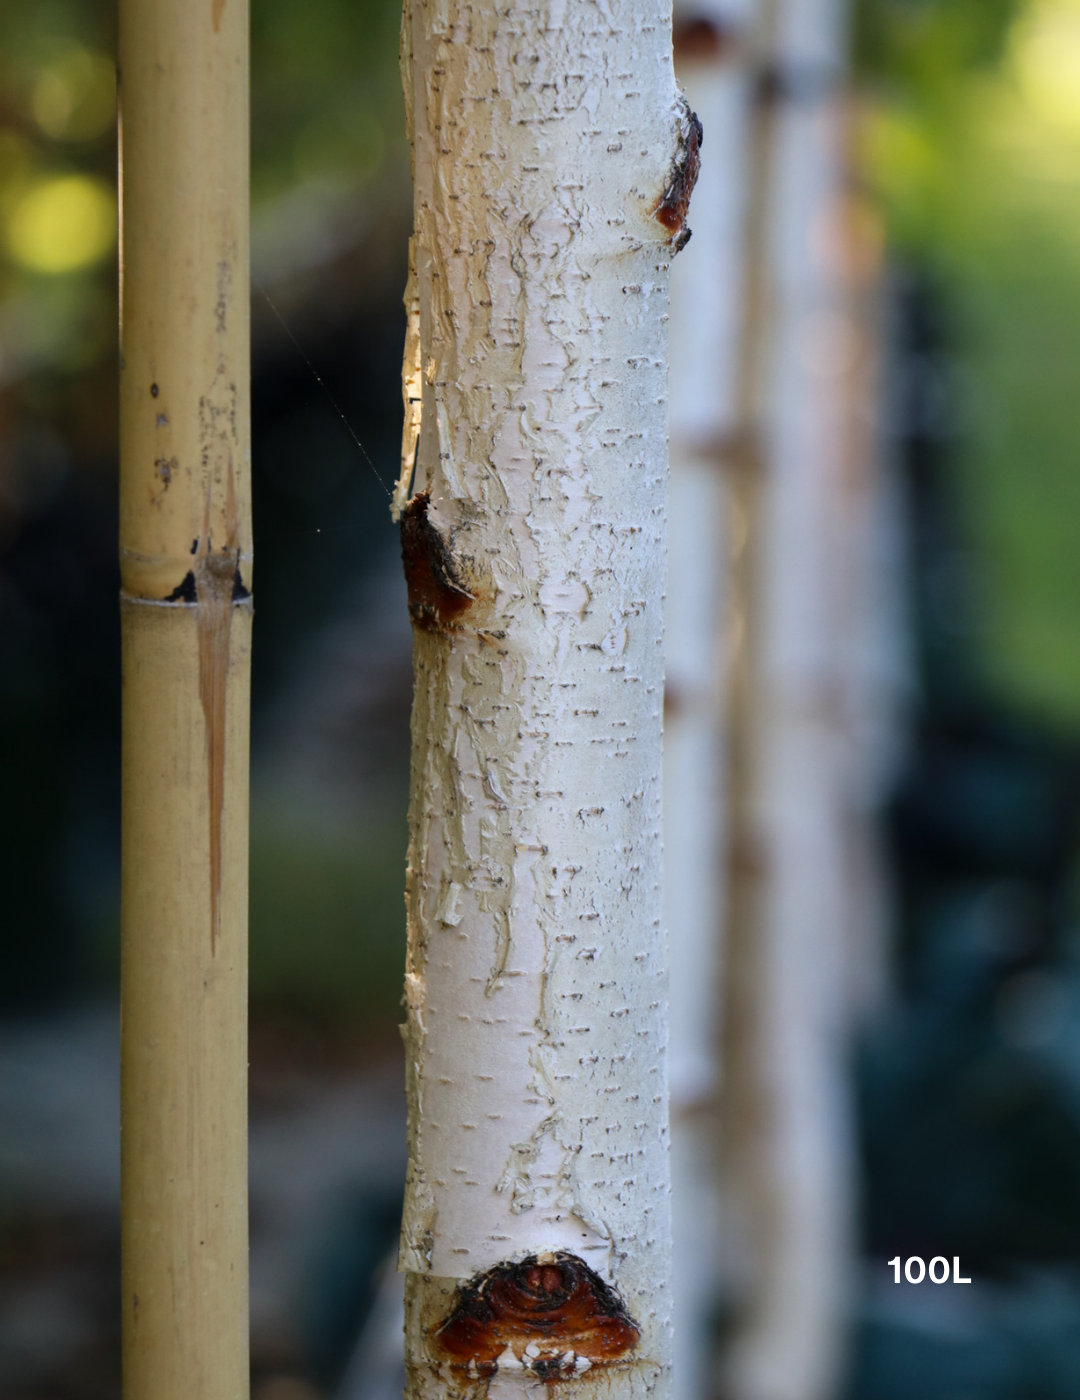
<point x="553" y="162"/>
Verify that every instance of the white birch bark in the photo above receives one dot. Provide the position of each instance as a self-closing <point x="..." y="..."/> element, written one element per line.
<point x="703" y="357"/>
<point x="544" y="138"/>
<point x="787" y="1131"/>
<point x="876" y="663"/>
<point x="704" y="353"/>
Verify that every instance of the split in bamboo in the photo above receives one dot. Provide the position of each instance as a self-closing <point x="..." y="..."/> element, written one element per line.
<point x="185" y="540"/>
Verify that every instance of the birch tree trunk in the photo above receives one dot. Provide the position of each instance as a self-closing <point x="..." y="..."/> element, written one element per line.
<point x="786" y="1120"/>
<point x="553" y="161"/>
<point x="876" y="664"/>
<point x="710" y="62"/>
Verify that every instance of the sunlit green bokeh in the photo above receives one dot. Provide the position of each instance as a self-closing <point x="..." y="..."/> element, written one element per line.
<point x="63" y="224"/>
<point x="74" y="97"/>
<point x="978" y="169"/>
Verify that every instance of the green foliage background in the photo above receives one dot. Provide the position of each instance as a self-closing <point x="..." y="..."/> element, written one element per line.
<point x="972" y="144"/>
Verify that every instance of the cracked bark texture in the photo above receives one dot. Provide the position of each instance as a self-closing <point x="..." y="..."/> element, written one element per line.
<point x="544" y="139"/>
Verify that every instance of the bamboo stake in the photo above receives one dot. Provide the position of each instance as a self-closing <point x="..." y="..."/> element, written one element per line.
<point x="186" y="620"/>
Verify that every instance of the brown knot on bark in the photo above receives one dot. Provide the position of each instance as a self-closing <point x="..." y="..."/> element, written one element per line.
<point x="703" y="39"/>
<point x="550" y="1315"/>
<point x="437" y="593"/>
<point x="673" y="205"/>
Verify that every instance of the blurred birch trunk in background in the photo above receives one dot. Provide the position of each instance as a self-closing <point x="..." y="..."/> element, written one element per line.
<point x="782" y="579"/>
<point x="787" y="1017"/>
<point x="710" y="63"/>
<point x="786" y="1119"/>
<point x="873" y="629"/>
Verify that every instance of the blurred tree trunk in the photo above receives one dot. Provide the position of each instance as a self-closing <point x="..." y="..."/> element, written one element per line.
<point x="552" y="165"/>
<point x="711" y="64"/>
<point x="875" y="660"/>
<point x="786" y="1118"/>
